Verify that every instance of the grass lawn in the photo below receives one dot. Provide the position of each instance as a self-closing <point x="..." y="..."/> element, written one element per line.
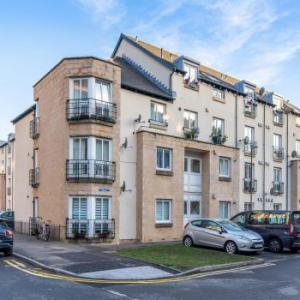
<point x="181" y="257"/>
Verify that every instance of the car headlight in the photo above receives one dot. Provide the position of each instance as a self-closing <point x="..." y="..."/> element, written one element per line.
<point x="243" y="238"/>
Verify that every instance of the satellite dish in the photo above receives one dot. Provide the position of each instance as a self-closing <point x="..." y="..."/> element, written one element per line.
<point x="294" y="154"/>
<point x="262" y="91"/>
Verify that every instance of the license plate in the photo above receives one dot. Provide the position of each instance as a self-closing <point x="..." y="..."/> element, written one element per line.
<point x="258" y="246"/>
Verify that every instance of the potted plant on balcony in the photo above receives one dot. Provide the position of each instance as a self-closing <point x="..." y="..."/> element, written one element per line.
<point x="217" y="136"/>
<point x="191" y="133"/>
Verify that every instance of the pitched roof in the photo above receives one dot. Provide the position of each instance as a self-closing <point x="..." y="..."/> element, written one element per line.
<point x="132" y="79"/>
<point x="23" y="114"/>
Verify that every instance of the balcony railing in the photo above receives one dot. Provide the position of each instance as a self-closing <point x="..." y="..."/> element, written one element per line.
<point x="277" y="188"/>
<point x="34" y="177"/>
<point x="278" y="117"/>
<point x="248" y="147"/>
<point x="90" y="170"/>
<point x="250" y="186"/>
<point x="278" y="153"/>
<point x="250" y="109"/>
<point x="35" y="128"/>
<point x="91" y="109"/>
<point x="97" y="229"/>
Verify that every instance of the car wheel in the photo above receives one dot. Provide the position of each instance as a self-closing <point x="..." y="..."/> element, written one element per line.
<point x="231" y="247"/>
<point x="275" y="245"/>
<point x="8" y="252"/>
<point x="188" y="241"/>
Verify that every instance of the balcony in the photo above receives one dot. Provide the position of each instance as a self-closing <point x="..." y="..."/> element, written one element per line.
<point x="250" y="109"/>
<point x="278" y="153"/>
<point x="91" y="109"/>
<point x="277" y="188"/>
<point x="35" y="128"/>
<point x="90" y="170"/>
<point x="250" y="149"/>
<point x="34" y="177"/>
<point x="278" y="117"/>
<point x="250" y="186"/>
<point x="94" y="229"/>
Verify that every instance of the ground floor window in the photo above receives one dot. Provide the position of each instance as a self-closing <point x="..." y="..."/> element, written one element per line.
<point x="224" y="209"/>
<point x="192" y="205"/>
<point x="163" y="211"/>
<point x="248" y="206"/>
<point x="277" y="206"/>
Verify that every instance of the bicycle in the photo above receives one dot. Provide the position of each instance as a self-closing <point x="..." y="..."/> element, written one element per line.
<point x="43" y="231"/>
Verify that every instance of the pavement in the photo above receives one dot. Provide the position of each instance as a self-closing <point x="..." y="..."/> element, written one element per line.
<point x="92" y="261"/>
<point x="276" y="281"/>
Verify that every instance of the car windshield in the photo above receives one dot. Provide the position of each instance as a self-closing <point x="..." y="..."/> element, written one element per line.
<point x="296" y="218"/>
<point x="231" y="226"/>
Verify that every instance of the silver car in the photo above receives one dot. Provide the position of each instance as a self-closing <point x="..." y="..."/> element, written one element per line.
<point x="222" y="234"/>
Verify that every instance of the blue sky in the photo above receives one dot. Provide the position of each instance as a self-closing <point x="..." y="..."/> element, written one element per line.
<point x="257" y="40"/>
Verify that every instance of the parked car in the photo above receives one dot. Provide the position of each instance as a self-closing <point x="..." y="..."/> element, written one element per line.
<point x="6" y="240"/>
<point x="9" y="218"/>
<point x="221" y="234"/>
<point x="279" y="229"/>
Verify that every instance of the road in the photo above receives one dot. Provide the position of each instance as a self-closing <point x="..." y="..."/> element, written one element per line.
<point x="279" y="280"/>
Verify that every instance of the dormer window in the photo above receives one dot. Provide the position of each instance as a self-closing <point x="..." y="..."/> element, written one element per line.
<point x="191" y="74"/>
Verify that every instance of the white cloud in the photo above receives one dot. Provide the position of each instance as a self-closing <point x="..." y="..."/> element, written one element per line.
<point x="107" y="12"/>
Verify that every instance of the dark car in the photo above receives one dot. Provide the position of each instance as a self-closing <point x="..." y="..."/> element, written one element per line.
<point x="6" y="240"/>
<point x="9" y="218"/>
<point x="279" y="229"/>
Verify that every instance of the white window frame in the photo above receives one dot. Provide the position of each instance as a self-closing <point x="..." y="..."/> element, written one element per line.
<point x="218" y="93"/>
<point x="189" y="74"/>
<point x="169" y="201"/>
<point x="250" y="134"/>
<point x="222" y="158"/>
<point x="171" y="159"/>
<point x="109" y="207"/>
<point x="297" y="147"/>
<point x="217" y="122"/>
<point x="228" y="203"/>
<point x="187" y="116"/>
<point x="154" y="112"/>
<point x="277" y="139"/>
<point x="248" y="206"/>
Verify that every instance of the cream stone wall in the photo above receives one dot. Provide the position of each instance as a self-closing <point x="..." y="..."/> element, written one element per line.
<point x="23" y="163"/>
<point x="53" y="144"/>
<point x="2" y="192"/>
<point x="10" y="169"/>
<point x="295" y="186"/>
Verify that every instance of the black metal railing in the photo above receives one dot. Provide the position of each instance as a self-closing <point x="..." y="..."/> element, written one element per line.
<point x="97" y="229"/>
<point x="35" y="128"/>
<point x="278" y="117"/>
<point x="91" y="109"/>
<point x="90" y="170"/>
<point x="277" y="188"/>
<point x="34" y="177"/>
<point x="278" y="153"/>
<point x="250" y="109"/>
<point x="250" y="186"/>
<point x="250" y="149"/>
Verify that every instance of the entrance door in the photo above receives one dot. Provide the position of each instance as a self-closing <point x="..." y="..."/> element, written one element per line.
<point x="192" y="206"/>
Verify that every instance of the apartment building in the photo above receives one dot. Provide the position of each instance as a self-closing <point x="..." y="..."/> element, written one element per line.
<point x="2" y="174"/>
<point x="133" y="147"/>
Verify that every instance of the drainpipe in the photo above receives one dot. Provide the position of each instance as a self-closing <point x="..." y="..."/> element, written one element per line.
<point x="287" y="161"/>
<point x="236" y="121"/>
<point x="264" y="158"/>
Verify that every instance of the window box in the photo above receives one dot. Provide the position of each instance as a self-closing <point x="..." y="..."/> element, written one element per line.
<point x="191" y="133"/>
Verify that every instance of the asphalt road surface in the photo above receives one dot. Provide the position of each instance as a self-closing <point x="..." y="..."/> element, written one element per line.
<point x="278" y="280"/>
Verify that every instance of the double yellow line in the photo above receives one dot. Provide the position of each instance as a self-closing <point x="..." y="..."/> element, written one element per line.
<point x="41" y="273"/>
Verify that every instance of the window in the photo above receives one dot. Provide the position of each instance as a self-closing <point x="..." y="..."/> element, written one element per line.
<point x="158" y="112"/>
<point x="248" y="206"/>
<point x="79" y="208"/>
<point x="190" y="119"/>
<point x="191" y="74"/>
<point x="265" y="218"/>
<point x="163" y="211"/>
<point x="239" y="219"/>
<point x="277" y="206"/>
<point x="102" y="91"/>
<point x="249" y="138"/>
<point x="103" y="149"/>
<point x="80" y="88"/>
<point x="277" y="142"/>
<point x="210" y="225"/>
<point x="218" y="93"/>
<point x="298" y="147"/>
<point x="218" y="125"/>
<point x="277" y="174"/>
<point x="195" y="166"/>
<point x="192" y="206"/>
<point x="164" y="159"/>
<point x="224" y="167"/>
<point x="248" y="170"/>
<point x="224" y="209"/>
<point x="80" y="148"/>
